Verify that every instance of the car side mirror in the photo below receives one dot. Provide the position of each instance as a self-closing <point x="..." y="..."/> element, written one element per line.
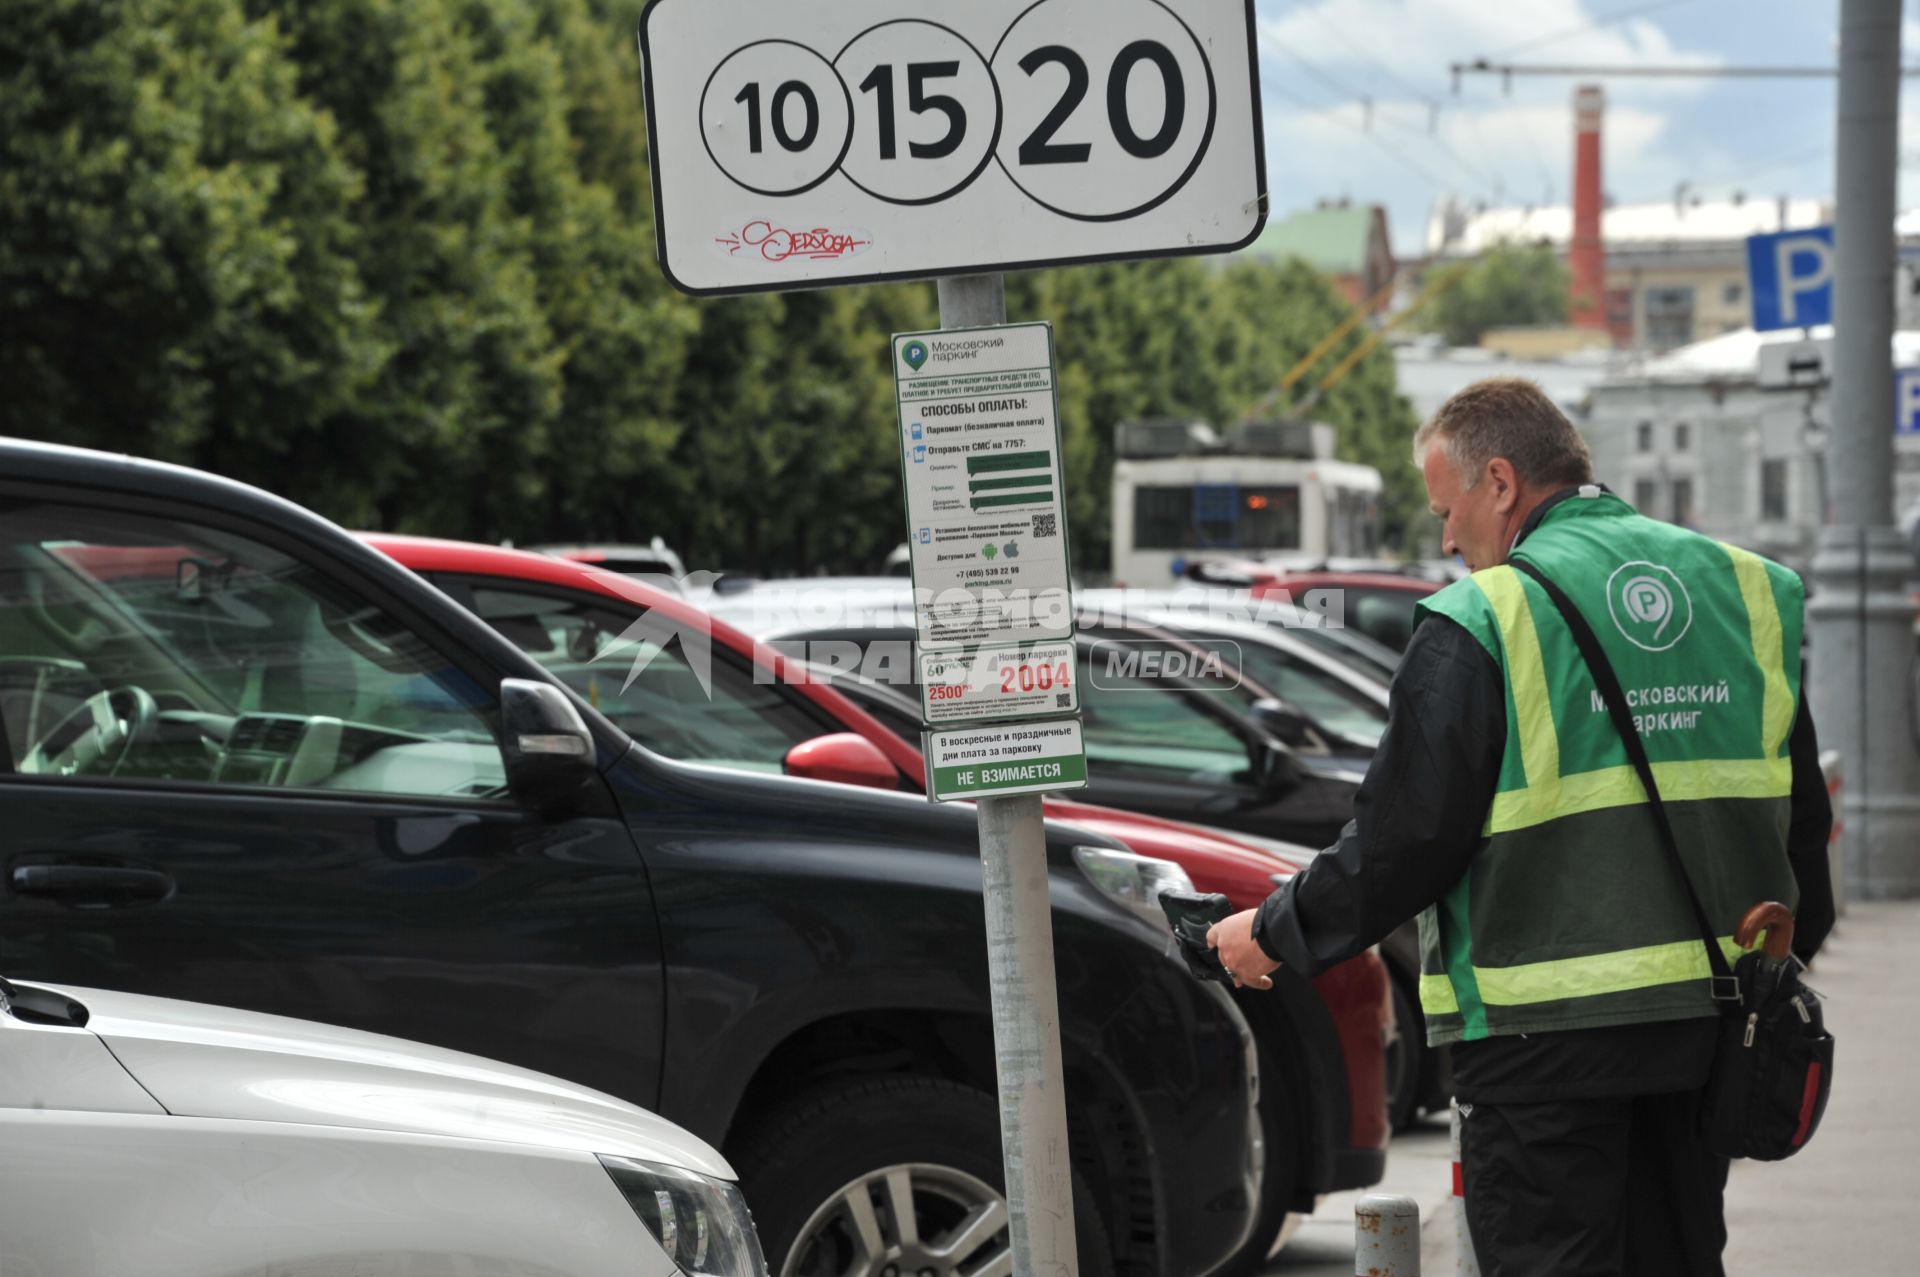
<point x="847" y="758"/>
<point x="1285" y="724"/>
<point x="1276" y="770"/>
<point x="1275" y="767"/>
<point x="547" y="747"/>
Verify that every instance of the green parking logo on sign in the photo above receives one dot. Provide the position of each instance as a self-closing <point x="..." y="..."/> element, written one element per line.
<point x="915" y="353"/>
<point x="1649" y="604"/>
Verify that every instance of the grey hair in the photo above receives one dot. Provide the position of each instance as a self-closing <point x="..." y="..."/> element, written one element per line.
<point x="1508" y="417"/>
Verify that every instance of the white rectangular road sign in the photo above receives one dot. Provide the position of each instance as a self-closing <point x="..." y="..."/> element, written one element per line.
<point x="1033" y="681"/>
<point x="994" y="762"/>
<point x="986" y="519"/>
<point x="800" y="143"/>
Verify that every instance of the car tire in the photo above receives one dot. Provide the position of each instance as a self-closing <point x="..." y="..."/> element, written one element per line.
<point x="1406" y="1058"/>
<point x="1280" y="1141"/>
<point x="821" y="1173"/>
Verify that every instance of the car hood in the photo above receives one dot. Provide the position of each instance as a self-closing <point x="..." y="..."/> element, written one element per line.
<point x="215" y="1062"/>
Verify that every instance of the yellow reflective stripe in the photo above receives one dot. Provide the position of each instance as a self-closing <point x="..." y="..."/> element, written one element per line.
<point x="1620" y="787"/>
<point x="1527" y="673"/>
<point x="1763" y="613"/>
<point x="1436" y="996"/>
<point x="1601" y="973"/>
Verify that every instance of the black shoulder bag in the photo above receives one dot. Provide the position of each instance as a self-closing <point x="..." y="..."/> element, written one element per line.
<point x="1774" y="1065"/>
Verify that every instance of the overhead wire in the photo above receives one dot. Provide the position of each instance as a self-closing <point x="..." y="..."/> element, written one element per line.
<point x="1596" y="23"/>
<point x="1483" y="174"/>
<point x="1400" y="156"/>
<point x="1333" y="29"/>
<point x="1475" y="171"/>
<point x="1593" y="24"/>
<point x="1346" y="90"/>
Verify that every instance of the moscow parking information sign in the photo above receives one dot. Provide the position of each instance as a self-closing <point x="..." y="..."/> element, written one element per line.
<point x="995" y="762"/>
<point x="802" y="143"/>
<point x="986" y="523"/>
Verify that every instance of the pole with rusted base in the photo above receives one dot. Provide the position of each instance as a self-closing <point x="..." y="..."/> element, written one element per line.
<point x="1386" y="1237"/>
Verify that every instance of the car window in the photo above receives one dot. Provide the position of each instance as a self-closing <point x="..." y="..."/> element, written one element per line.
<point x="654" y="694"/>
<point x="1142" y="723"/>
<point x="144" y="647"/>
<point x="894" y="712"/>
<point x="1354" y="650"/>
<point x="1383" y="615"/>
<point x="1316" y="693"/>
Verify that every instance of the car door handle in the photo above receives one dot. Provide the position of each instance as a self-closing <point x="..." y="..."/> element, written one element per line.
<point x="95" y="885"/>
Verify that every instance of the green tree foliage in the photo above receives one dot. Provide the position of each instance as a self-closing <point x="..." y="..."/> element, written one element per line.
<point x="177" y="249"/>
<point x="394" y="259"/>
<point x="349" y="250"/>
<point x="1510" y="286"/>
<point x="790" y="457"/>
<point x="1188" y="338"/>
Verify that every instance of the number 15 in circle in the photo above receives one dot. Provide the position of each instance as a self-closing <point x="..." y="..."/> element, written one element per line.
<point x="926" y="114"/>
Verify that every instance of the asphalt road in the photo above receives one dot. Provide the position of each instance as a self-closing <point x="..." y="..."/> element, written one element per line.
<point x="1418" y="1166"/>
<point x="1843" y="1205"/>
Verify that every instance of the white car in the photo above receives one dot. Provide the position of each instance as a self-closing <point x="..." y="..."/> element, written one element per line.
<point x="144" y="1137"/>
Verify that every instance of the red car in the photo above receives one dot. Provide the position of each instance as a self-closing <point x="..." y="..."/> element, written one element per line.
<point x="758" y="709"/>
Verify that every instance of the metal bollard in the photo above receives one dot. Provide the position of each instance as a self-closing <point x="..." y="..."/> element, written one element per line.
<point x="1466" y="1263"/>
<point x="1386" y="1237"/>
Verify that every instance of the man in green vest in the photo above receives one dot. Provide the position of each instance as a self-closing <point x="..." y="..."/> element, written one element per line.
<point x="1561" y="957"/>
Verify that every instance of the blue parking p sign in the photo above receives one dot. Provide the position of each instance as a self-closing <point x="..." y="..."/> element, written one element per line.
<point x="1790" y="277"/>
<point x="1906" y="401"/>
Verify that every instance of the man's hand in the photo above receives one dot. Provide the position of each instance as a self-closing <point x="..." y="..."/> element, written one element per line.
<point x="1240" y="953"/>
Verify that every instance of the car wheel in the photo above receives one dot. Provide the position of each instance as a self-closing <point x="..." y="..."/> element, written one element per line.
<point x="1280" y="1154"/>
<point x="891" y="1177"/>
<point x="1406" y="1058"/>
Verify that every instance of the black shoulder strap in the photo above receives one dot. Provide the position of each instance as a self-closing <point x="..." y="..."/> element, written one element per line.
<point x="1725" y="987"/>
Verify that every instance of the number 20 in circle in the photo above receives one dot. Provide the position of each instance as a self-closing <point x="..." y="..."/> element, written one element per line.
<point x="776" y="118"/>
<point x="926" y="114"/>
<point x="1105" y="120"/>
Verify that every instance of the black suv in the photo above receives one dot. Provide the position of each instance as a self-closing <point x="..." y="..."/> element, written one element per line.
<point x="249" y="761"/>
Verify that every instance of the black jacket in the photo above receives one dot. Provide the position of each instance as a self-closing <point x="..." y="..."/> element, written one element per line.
<point x="1418" y="818"/>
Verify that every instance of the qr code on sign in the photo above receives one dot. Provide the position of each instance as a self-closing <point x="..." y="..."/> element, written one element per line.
<point x="1046" y="525"/>
<point x="1063" y="699"/>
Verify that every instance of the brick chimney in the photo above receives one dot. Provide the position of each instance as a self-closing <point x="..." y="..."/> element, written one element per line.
<point x="1587" y="257"/>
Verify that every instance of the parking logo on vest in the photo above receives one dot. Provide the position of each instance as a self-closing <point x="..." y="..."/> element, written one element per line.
<point x="1650" y="606"/>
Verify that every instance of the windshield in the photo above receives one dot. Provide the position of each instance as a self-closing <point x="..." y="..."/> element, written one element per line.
<point x="1317" y="693"/>
<point x="1139" y="718"/>
<point x="141" y="646"/>
<point x="700" y="704"/>
<point x="1356" y="651"/>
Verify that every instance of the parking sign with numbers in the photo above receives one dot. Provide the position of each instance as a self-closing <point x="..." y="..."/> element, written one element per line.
<point x="801" y="143"/>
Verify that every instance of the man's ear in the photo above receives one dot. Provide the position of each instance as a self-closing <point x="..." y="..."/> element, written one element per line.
<point x="1506" y="485"/>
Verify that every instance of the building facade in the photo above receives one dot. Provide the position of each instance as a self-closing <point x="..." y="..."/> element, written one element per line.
<point x="1697" y="438"/>
<point x="1348" y="243"/>
<point x="1676" y="272"/>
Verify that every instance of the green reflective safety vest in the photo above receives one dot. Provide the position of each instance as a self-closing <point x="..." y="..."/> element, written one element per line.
<point x="1571" y="915"/>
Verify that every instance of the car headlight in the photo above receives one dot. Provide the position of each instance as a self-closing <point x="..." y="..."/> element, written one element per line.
<point x="1132" y="880"/>
<point x="703" y="1224"/>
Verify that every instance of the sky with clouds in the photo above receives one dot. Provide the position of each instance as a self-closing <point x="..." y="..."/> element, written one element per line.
<point x="1359" y="102"/>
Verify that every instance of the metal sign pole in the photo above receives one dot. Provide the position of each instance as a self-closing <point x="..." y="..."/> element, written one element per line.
<point x="1861" y="614"/>
<point x="1026" y="1004"/>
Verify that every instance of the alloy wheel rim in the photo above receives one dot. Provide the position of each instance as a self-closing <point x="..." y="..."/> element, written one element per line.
<point x="911" y="1219"/>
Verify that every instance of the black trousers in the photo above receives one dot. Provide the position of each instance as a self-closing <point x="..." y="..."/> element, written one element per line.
<point x="1593" y="1188"/>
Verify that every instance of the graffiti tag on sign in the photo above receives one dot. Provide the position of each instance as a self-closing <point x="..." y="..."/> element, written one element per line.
<point x="777" y="243"/>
